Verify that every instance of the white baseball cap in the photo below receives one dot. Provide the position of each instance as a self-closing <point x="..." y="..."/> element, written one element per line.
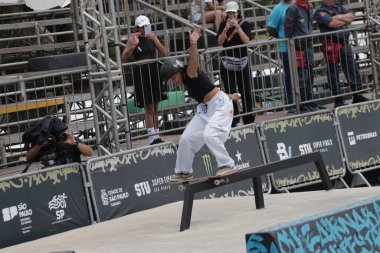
<point x="141" y="21"/>
<point x="232" y="6"/>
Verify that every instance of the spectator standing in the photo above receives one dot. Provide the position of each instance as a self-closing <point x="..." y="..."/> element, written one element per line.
<point x="213" y="13"/>
<point x="275" y="28"/>
<point x="299" y="22"/>
<point x="235" y="67"/>
<point x="331" y="17"/>
<point x="149" y="90"/>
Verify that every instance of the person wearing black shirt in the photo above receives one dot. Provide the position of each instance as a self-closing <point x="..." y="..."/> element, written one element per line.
<point x="212" y="122"/>
<point x="330" y="17"/>
<point x="235" y="68"/>
<point x="149" y="90"/>
<point x="54" y="152"/>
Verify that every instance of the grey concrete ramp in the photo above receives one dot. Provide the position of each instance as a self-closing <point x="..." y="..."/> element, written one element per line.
<point x="218" y="225"/>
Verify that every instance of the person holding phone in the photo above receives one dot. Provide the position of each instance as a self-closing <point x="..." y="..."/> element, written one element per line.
<point x="234" y="67"/>
<point x="149" y="90"/>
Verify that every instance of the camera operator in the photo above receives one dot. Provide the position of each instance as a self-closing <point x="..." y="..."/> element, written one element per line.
<point x="59" y="149"/>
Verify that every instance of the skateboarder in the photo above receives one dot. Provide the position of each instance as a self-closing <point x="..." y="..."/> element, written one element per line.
<point x="212" y="122"/>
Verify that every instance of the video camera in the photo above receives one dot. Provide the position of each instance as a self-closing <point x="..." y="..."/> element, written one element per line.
<point x="51" y="129"/>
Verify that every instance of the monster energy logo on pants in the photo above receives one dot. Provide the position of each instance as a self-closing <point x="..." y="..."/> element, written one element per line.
<point x="207" y="163"/>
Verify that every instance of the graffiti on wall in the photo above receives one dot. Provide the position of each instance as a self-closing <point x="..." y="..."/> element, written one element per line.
<point x="353" y="230"/>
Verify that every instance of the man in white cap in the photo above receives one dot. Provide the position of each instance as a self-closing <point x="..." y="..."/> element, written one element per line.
<point x="149" y="90"/>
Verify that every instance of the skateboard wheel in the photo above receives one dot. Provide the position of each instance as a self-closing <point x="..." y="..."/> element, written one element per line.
<point x="181" y="188"/>
<point x="217" y="182"/>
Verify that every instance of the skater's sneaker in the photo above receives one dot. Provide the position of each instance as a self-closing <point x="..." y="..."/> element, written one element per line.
<point x="180" y="177"/>
<point x="225" y="170"/>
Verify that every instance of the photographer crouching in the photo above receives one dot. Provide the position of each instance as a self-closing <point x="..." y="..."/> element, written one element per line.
<point x="52" y="144"/>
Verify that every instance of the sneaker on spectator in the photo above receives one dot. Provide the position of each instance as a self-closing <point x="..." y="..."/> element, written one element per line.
<point x="339" y="102"/>
<point x="304" y="109"/>
<point x="291" y="109"/>
<point x="358" y="98"/>
<point x="315" y="106"/>
<point x="157" y="141"/>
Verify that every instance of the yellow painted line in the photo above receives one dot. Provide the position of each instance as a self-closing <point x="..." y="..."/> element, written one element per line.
<point x="4" y="109"/>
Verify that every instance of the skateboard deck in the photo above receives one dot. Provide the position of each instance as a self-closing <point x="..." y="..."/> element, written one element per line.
<point x="217" y="180"/>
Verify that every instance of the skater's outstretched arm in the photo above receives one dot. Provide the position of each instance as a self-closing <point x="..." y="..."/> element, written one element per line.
<point x="192" y="69"/>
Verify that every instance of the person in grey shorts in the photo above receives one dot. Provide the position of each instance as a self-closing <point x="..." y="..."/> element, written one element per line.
<point x="212" y="122"/>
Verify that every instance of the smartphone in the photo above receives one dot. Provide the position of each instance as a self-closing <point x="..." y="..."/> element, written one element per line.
<point x="230" y="15"/>
<point x="147" y="29"/>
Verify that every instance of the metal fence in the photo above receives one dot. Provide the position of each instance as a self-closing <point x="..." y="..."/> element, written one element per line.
<point x="26" y="98"/>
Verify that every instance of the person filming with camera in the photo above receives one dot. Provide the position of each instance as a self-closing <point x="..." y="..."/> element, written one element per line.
<point x="54" y="145"/>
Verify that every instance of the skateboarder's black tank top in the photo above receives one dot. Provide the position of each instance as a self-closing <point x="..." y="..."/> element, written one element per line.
<point x="197" y="87"/>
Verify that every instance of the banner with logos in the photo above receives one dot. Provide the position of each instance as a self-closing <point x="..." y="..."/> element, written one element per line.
<point x="133" y="181"/>
<point x="359" y="127"/>
<point x="243" y="146"/>
<point x="42" y="203"/>
<point x="299" y="135"/>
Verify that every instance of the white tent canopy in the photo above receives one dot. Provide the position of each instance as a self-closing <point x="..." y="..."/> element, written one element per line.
<point x="37" y="5"/>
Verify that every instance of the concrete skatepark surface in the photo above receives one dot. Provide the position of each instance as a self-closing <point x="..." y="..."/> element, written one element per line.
<point x="218" y="225"/>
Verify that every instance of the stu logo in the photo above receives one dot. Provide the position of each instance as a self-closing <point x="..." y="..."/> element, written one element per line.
<point x="282" y="152"/>
<point x="142" y="188"/>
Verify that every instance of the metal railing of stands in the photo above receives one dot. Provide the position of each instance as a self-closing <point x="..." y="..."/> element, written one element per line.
<point x="27" y="98"/>
<point x="24" y="34"/>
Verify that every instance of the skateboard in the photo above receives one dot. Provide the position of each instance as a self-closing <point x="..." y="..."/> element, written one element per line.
<point x="216" y="180"/>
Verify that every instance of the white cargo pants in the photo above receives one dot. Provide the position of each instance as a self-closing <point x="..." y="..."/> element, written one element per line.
<point x="211" y="125"/>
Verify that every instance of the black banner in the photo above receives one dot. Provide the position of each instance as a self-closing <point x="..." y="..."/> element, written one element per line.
<point x="244" y="147"/>
<point x="133" y="181"/>
<point x="42" y="203"/>
<point x="359" y="128"/>
<point x="301" y="135"/>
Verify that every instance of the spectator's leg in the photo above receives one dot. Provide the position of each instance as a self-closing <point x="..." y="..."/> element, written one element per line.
<point x="350" y="68"/>
<point x="244" y="86"/>
<point x="229" y="83"/>
<point x="310" y="74"/>
<point x="287" y="80"/>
